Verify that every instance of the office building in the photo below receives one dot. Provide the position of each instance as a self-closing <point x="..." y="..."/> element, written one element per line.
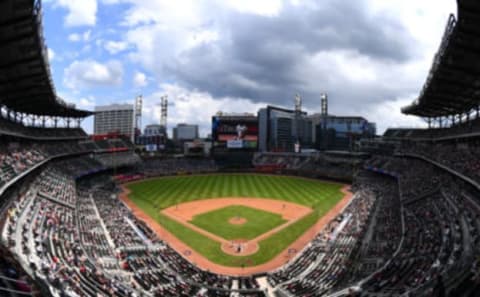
<point x="280" y="129"/>
<point x="340" y="132"/>
<point x="114" y="118"/>
<point x="183" y="132"/>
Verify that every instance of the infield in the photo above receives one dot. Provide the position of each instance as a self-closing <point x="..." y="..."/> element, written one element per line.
<point x="257" y="222"/>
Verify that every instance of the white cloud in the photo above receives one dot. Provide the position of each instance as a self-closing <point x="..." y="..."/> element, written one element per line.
<point x="111" y="1"/>
<point x="201" y="37"/>
<point x="90" y="73"/>
<point x="425" y="19"/>
<point x="114" y="47"/>
<point x="264" y="7"/>
<point x="86" y="35"/>
<point x="75" y="37"/>
<point x="388" y="115"/>
<point x="139" y="79"/>
<point x="51" y="54"/>
<point x="87" y="102"/>
<point x="168" y="12"/>
<point x="80" y="13"/>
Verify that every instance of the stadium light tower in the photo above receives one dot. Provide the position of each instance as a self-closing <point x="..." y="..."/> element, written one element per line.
<point x="138" y="116"/>
<point x="324" y="104"/>
<point x="297" y="121"/>
<point x="298" y="104"/>
<point x="163" y="112"/>
<point x="324" y="114"/>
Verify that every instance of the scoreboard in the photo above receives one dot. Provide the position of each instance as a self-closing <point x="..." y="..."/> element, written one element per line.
<point x="235" y="132"/>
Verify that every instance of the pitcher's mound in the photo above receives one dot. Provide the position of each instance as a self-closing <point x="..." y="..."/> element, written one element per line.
<point x="237" y="221"/>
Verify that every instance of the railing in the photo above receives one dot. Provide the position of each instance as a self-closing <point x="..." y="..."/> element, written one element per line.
<point x="359" y="284"/>
<point x="441" y="166"/>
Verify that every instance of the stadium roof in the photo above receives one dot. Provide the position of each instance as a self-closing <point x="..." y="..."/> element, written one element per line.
<point x="25" y="81"/>
<point x="453" y="84"/>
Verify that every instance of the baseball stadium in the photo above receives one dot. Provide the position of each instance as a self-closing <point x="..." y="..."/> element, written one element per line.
<point x="273" y="204"/>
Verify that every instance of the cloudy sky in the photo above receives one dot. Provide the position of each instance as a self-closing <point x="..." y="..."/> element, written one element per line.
<point x="370" y="56"/>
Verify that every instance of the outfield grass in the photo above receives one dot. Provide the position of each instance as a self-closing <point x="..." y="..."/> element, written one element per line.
<point x="154" y="195"/>
<point x="258" y="222"/>
<point x="163" y="192"/>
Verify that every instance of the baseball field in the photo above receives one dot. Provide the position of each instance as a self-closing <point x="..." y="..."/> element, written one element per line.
<point x="235" y="220"/>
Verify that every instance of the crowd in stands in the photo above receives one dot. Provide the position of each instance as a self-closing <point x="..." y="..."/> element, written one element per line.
<point x="408" y="172"/>
<point x="172" y="166"/>
<point x="441" y="223"/>
<point x="54" y="184"/>
<point x="62" y="240"/>
<point x="93" y="236"/>
<point x="57" y="148"/>
<point x="280" y="160"/>
<point x="384" y="234"/>
<point x="461" y="157"/>
<point x="336" y="167"/>
<point x="15" y="160"/>
<point x="114" y="144"/>
<point x="114" y="160"/>
<point x="129" y="177"/>
<point x="13" y="279"/>
<point x="310" y="164"/>
<point x="118" y="222"/>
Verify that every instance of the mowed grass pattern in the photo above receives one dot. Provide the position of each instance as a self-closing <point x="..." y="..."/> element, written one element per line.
<point x="258" y="222"/>
<point x="154" y="195"/>
<point x="167" y="191"/>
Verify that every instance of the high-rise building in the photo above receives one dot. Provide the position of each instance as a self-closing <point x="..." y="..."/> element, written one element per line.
<point x="114" y="118"/>
<point x="280" y="129"/>
<point x="184" y="132"/>
<point x="339" y="132"/>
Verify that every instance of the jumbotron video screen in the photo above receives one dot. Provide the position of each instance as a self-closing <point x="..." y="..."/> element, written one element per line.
<point x="235" y="132"/>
